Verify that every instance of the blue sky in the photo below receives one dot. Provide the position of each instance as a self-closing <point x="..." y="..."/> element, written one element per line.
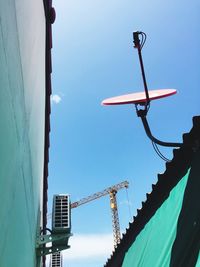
<point x="93" y="146"/>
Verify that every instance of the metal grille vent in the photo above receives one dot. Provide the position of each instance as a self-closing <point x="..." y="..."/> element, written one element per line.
<point x="56" y="260"/>
<point x="61" y="212"/>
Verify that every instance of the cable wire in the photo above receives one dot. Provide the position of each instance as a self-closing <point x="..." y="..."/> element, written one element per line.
<point x="158" y="152"/>
<point x="144" y="37"/>
<point x="127" y="196"/>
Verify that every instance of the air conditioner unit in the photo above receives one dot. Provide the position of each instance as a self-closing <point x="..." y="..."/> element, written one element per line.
<point x="61" y="215"/>
<point x="56" y="260"/>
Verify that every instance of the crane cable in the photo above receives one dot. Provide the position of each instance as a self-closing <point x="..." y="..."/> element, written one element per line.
<point x="127" y="196"/>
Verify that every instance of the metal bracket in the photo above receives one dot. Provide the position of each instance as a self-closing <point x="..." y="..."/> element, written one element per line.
<point x="142" y="114"/>
<point x="59" y="242"/>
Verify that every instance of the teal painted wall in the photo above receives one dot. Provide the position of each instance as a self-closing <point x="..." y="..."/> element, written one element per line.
<point x="22" y="115"/>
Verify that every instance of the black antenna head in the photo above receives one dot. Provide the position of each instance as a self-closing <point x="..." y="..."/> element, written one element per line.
<point x="136" y="39"/>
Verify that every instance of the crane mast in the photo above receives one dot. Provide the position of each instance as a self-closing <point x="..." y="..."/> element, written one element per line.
<point x="115" y="218"/>
<point x="112" y="192"/>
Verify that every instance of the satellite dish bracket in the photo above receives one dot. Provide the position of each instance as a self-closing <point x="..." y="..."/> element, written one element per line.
<point x="142" y="113"/>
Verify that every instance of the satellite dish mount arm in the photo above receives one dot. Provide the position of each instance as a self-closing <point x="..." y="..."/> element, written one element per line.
<point x="142" y="113"/>
<point x="138" y="45"/>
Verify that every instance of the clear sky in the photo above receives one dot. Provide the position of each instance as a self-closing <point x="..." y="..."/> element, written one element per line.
<point x="92" y="146"/>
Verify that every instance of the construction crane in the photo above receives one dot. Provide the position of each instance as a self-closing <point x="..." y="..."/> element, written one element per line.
<point x="56" y="259"/>
<point x="112" y="192"/>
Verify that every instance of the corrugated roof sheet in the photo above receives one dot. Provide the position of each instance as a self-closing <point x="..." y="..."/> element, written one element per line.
<point x="175" y="170"/>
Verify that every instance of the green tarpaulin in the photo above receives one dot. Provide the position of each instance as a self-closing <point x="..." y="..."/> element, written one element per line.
<point x="171" y="237"/>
